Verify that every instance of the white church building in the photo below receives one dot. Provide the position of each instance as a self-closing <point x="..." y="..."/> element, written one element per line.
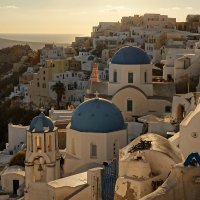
<point x="42" y="162"/>
<point x="130" y="85"/>
<point x="94" y="137"/>
<point x="96" y="134"/>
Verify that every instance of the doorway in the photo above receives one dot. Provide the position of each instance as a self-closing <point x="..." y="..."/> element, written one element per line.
<point x="15" y="186"/>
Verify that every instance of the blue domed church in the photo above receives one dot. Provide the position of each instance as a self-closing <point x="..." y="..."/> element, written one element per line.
<point x="130" y="85"/>
<point x="96" y="134"/>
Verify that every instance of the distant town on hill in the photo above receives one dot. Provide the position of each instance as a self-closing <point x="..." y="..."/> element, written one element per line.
<point x="112" y="116"/>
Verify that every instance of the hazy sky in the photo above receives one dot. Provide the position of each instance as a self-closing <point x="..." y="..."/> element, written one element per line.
<point x="78" y="16"/>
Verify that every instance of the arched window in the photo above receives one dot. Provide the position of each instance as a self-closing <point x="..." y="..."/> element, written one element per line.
<point x="49" y="143"/>
<point x="115" y="76"/>
<point x="145" y="77"/>
<point x="129" y="105"/>
<point x="168" y="109"/>
<point x="93" y="150"/>
<point x="38" y="143"/>
<point x="130" y="77"/>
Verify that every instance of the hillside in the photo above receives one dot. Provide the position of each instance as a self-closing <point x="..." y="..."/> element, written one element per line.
<point x="11" y="55"/>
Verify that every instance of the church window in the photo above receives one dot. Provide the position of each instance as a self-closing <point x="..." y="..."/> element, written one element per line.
<point x="145" y="77"/>
<point x="115" y="76"/>
<point x="44" y="85"/>
<point x="130" y="77"/>
<point x="93" y="151"/>
<point x="129" y="105"/>
<point x="167" y="109"/>
<point x="38" y="143"/>
<point x="49" y="143"/>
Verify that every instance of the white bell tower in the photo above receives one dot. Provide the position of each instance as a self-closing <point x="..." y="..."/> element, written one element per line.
<point x="42" y="163"/>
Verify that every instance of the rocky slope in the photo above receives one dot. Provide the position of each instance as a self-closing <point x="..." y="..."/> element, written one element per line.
<point x="11" y="55"/>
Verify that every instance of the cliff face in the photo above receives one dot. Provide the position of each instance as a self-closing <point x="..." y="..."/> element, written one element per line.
<point x="11" y="55"/>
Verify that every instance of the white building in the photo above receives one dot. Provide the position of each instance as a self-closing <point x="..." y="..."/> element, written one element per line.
<point x="51" y="51"/>
<point x="144" y="165"/>
<point x="138" y="34"/>
<point x="16" y="138"/>
<point x="130" y="85"/>
<point x="42" y="162"/>
<point x="76" y="84"/>
<point x="12" y="180"/>
<point x="173" y="188"/>
<point x="183" y="104"/>
<point x="190" y="133"/>
<point x="186" y="72"/>
<point x="105" y="26"/>
<point x="86" y="58"/>
<point x="21" y="91"/>
<point x="96" y="134"/>
<point x="172" y="55"/>
<point x="112" y="41"/>
<point x="158" y="21"/>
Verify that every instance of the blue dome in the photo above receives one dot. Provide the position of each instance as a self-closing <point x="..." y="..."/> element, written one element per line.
<point x="40" y="123"/>
<point x="130" y="55"/>
<point x="97" y="115"/>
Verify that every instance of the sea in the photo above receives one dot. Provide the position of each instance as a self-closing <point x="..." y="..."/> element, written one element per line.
<point x="36" y="40"/>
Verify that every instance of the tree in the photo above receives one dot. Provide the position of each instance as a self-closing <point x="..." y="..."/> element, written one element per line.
<point x="99" y="48"/>
<point x="59" y="89"/>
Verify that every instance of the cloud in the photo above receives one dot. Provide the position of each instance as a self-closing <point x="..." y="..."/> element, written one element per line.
<point x="189" y="8"/>
<point x="109" y="8"/>
<point x="8" y="7"/>
<point x="114" y="10"/>
<point x="176" y="8"/>
<point x="164" y="9"/>
<point x="168" y="9"/>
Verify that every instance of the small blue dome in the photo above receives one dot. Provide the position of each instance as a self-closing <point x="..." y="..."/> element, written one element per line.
<point x="130" y="55"/>
<point x="97" y="115"/>
<point x="40" y="123"/>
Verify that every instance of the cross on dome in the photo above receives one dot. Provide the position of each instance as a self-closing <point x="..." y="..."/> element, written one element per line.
<point x="96" y="95"/>
<point x="42" y="109"/>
